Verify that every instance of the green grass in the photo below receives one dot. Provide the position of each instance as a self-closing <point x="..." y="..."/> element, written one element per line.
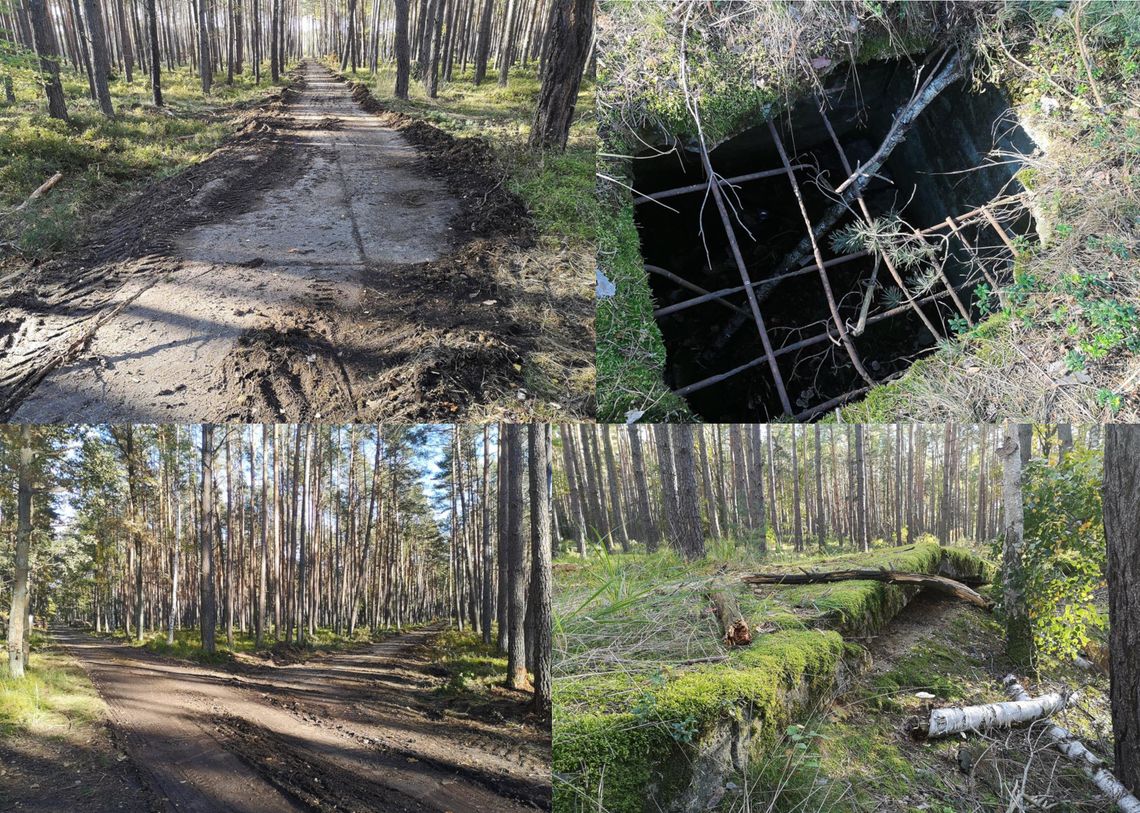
<point x="472" y="666"/>
<point x="101" y="159"/>
<point x="54" y="695"/>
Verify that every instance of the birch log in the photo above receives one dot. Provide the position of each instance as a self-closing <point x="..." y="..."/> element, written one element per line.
<point x="1090" y="764"/>
<point x="945" y="722"/>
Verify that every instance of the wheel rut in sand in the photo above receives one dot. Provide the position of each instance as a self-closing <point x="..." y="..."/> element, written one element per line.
<point x="351" y="197"/>
<point x="210" y="740"/>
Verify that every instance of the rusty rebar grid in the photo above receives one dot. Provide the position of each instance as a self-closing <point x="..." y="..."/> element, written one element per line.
<point x="706" y="295"/>
<point x="643" y="197"/>
<point x="801" y="344"/>
<point x="848" y="345"/>
<point x="711" y="295"/>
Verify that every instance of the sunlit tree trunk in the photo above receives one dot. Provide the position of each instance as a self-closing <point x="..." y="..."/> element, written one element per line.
<point x="1019" y="632"/>
<point x="206" y="542"/>
<point x="18" y="611"/>
<point x="540" y="580"/>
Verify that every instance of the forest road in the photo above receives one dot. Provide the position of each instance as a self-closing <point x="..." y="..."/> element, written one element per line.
<point x="209" y="740"/>
<point x="358" y="198"/>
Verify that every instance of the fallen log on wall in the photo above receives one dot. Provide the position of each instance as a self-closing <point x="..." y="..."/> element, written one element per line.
<point x="945" y="722"/>
<point x="733" y="628"/>
<point x="938" y="583"/>
<point x="1090" y="764"/>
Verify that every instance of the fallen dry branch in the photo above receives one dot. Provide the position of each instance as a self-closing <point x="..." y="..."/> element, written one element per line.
<point x="956" y="720"/>
<point x="938" y="583"/>
<point x="1090" y="764"/>
<point x="41" y="190"/>
<point x="733" y="628"/>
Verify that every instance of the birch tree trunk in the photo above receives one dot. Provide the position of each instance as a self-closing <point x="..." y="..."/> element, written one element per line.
<point x="1019" y="633"/>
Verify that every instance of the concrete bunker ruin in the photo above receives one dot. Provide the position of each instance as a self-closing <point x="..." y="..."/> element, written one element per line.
<point x="906" y="175"/>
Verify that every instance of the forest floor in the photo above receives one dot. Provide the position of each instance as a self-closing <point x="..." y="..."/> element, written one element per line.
<point x="377" y="728"/>
<point x="323" y="264"/>
<point x="649" y="700"/>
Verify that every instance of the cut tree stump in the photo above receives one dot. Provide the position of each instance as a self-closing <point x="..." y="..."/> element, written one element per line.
<point x="733" y="628"/>
<point x="949" y="721"/>
<point x="1090" y="764"/>
<point x="940" y="584"/>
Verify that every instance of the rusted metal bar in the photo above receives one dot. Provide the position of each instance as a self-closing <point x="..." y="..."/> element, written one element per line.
<point x="642" y="197"/>
<point x="998" y="228"/>
<point x="811" y="412"/>
<point x="848" y="345"/>
<point x="807" y="269"/>
<point x="962" y="309"/>
<point x="811" y="341"/>
<point x="867" y="214"/>
<point x="746" y="280"/>
<point x="684" y="283"/>
<point x="981" y="263"/>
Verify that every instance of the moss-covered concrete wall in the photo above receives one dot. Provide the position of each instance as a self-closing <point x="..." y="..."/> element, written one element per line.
<point x="669" y="744"/>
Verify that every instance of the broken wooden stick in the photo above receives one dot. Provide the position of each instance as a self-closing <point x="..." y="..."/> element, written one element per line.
<point x="41" y="190"/>
<point x="1089" y="763"/>
<point x="938" y="583"/>
<point x="956" y="720"/>
<point x="733" y="628"/>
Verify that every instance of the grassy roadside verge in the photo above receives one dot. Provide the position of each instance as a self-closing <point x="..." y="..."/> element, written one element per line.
<point x="550" y="278"/>
<point x="102" y="159"/>
<point x="55" y="698"/>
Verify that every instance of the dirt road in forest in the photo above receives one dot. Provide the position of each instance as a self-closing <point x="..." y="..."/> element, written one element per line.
<point x="363" y="731"/>
<point x="319" y="267"/>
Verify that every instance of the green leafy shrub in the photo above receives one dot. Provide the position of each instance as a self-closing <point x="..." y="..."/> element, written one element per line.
<point x="1064" y="551"/>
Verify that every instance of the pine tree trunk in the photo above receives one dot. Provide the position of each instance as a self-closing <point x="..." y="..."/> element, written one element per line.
<point x="647" y="528"/>
<point x="706" y="481"/>
<point x="569" y="33"/>
<point x="206" y="540"/>
<point x="820" y="530"/>
<point x="18" y="635"/>
<point x="1122" y="530"/>
<point x="755" y="445"/>
<point x="403" y="52"/>
<point x="540" y="581"/>
<point x="689" y="541"/>
<point x="49" y="62"/>
<point x="516" y="564"/>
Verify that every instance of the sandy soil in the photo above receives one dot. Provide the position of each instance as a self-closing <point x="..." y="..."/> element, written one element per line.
<point x="361" y="731"/>
<point x="332" y="261"/>
<point x="359" y="199"/>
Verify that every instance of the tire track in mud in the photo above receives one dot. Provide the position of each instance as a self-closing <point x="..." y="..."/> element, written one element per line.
<point x="207" y="740"/>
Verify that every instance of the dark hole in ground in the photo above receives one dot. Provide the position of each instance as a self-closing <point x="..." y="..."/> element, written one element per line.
<point x="927" y="178"/>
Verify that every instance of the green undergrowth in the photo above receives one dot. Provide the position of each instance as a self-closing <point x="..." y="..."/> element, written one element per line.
<point x="188" y="644"/>
<point x="102" y="159"/>
<point x="642" y="681"/>
<point x="854" y="755"/>
<point x="472" y="667"/>
<point x="55" y="698"/>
